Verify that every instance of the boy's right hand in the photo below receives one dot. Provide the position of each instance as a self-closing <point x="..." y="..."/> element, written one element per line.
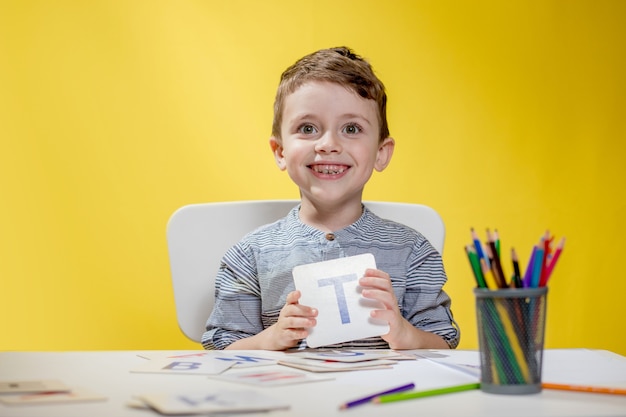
<point x="293" y="323"/>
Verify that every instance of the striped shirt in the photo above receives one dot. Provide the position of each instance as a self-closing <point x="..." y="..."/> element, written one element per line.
<point x="255" y="276"/>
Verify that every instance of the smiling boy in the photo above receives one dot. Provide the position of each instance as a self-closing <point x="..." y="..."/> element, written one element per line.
<point x="330" y="133"/>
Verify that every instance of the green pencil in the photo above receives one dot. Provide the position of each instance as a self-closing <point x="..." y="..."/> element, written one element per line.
<point x="419" y="394"/>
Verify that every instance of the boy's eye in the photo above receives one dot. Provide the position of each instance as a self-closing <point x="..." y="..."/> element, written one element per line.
<point x="307" y="129"/>
<point x="352" y="129"/>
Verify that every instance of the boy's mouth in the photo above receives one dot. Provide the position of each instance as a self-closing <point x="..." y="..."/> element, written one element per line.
<point x="329" y="169"/>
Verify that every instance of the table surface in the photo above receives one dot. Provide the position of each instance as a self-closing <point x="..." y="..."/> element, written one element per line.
<point x="108" y="373"/>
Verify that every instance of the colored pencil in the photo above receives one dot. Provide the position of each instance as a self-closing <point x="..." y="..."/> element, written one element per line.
<point x="369" y="398"/>
<point x="555" y="257"/>
<point x="547" y="252"/>
<point x="421" y="394"/>
<point x="490" y="282"/>
<point x="517" y="275"/>
<point x="496" y="268"/>
<point x="584" y="388"/>
<point x="479" y="247"/>
<point x="516" y="343"/>
<point x="528" y="275"/>
<point x="475" y="264"/>
<point x="501" y="344"/>
<point x="537" y="266"/>
<point x="496" y="239"/>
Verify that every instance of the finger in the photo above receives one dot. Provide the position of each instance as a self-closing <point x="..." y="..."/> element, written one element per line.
<point x="382" y="283"/>
<point x="371" y="272"/>
<point x="298" y="310"/>
<point x="293" y="297"/>
<point x="384" y="315"/>
<point x="387" y="298"/>
<point x="296" y="324"/>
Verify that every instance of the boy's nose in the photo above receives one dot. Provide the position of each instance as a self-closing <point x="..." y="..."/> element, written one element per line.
<point x="328" y="142"/>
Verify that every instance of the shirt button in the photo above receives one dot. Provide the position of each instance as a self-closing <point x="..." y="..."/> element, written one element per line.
<point x="330" y="236"/>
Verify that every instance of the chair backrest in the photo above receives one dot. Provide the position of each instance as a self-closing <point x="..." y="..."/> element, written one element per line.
<point x="198" y="235"/>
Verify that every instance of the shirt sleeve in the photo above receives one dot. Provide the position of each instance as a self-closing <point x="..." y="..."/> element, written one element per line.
<point x="425" y="304"/>
<point x="237" y="311"/>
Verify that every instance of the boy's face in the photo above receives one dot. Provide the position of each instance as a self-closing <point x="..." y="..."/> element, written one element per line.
<point x="330" y="142"/>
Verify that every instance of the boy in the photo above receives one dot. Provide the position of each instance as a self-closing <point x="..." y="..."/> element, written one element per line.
<point x="330" y="133"/>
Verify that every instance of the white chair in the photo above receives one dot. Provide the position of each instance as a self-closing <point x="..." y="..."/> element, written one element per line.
<point x="198" y="235"/>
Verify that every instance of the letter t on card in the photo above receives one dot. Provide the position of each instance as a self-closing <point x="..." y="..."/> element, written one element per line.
<point x="333" y="288"/>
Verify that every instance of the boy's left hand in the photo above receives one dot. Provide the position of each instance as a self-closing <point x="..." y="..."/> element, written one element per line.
<point x="377" y="286"/>
<point x="402" y="334"/>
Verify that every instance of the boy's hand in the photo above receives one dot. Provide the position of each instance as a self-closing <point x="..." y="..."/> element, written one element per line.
<point x="377" y="286"/>
<point x="402" y="335"/>
<point x="293" y="323"/>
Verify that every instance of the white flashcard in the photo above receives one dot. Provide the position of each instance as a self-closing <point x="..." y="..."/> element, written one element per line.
<point x="332" y="287"/>
<point x="34" y="386"/>
<point x="204" y="366"/>
<point x="208" y="402"/>
<point x="270" y="378"/>
<point x="241" y="359"/>
<point x="352" y="356"/>
<point x="184" y="354"/>
<point x="75" y="395"/>
<point x="316" y="365"/>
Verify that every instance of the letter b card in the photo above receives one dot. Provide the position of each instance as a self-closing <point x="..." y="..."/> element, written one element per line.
<point x="333" y="288"/>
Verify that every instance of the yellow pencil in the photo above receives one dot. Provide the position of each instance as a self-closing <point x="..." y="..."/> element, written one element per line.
<point x="514" y="341"/>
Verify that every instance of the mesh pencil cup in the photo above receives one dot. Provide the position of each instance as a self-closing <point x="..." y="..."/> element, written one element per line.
<point x="511" y="324"/>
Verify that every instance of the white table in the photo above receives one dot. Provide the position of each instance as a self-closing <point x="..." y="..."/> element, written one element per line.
<point x="107" y="373"/>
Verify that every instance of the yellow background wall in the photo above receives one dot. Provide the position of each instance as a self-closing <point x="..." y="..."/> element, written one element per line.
<point x="113" y="114"/>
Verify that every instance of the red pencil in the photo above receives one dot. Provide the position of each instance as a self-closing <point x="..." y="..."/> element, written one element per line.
<point x="546" y="241"/>
<point x="555" y="257"/>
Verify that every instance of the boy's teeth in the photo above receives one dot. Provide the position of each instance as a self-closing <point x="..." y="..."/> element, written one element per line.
<point x="329" y="170"/>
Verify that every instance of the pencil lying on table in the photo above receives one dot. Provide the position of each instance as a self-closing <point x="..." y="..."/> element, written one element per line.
<point x="585" y="388"/>
<point x="369" y="398"/>
<point x="429" y="393"/>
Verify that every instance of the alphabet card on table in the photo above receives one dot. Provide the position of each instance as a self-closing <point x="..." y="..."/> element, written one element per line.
<point x="332" y="287"/>
<point x="54" y="397"/>
<point x="203" y="366"/>
<point x="269" y="378"/>
<point x="219" y="402"/>
<point x="240" y="359"/>
<point x="33" y="387"/>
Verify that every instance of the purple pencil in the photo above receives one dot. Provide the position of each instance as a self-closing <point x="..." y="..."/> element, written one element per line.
<point x="528" y="275"/>
<point x="369" y="398"/>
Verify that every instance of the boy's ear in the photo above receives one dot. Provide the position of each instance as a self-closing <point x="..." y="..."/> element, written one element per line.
<point x="277" y="150"/>
<point x="385" y="151"/>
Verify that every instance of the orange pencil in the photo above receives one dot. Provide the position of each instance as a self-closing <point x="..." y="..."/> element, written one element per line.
<point x="584" y="388"/>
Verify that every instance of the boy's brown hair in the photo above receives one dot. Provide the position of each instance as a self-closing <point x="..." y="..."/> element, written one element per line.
<point x="336" y="65"/>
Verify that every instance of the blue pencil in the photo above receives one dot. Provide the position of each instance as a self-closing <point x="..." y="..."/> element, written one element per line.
<point x="537" y="267"/>
<point x="479" y="247"/>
